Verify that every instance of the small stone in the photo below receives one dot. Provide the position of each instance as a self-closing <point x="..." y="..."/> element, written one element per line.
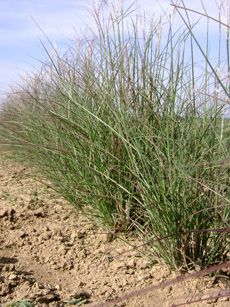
<point x="58" y="233"/>
<point x="73" y="235"/>
<point x="66" y="217"/>
<point x="15" y="235"/>
<point x="68" y="265"/>
<point x="46" y="236"/>
<point x="130" y="272"/>
<point x="81" y="284"/>
<point x="69" y="244"/>
<point x="39" y="212"/>
<point x="62" y="249"/>
<point x="110" y="237"/>
<point x="145" y="265"/>
<point x="11" y="212"/>
<point x="8" y="268"/>
<point x="3" y="212"/>
<point x="144" y="276"/>
<point x="131" y="264"/>
<point x="81" y="235"/>
<point x="4" y="290"/>
<point x="58" y="287"/>
<point x="39" y="285"/>
<point x="117" y="265"/>
<point x="13" y="277"/>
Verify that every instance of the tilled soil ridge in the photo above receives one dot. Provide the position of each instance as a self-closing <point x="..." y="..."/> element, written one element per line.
<point x="51" y="255"/>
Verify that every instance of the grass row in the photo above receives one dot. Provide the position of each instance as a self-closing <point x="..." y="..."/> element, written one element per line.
<point x="120" y="128"/>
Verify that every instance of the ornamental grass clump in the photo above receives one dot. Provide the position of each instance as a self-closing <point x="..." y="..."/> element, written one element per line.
<point x="119" y="126"/>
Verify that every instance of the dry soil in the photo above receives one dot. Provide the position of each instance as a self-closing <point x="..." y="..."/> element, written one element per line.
<point x="52" y="255"/>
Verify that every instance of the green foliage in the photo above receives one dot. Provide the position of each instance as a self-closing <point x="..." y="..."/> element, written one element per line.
<point x="77" y="301"/>
<point x="119" y="127"/>
<point x="23" y="303"/>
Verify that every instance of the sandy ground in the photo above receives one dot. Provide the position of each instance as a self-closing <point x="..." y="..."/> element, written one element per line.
<point x="51" y="255"/>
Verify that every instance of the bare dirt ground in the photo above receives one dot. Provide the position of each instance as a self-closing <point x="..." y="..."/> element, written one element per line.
<point x="51" y="255"/>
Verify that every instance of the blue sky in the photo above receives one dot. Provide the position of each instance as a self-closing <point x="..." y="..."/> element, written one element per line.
<point x="20" y="48"/>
